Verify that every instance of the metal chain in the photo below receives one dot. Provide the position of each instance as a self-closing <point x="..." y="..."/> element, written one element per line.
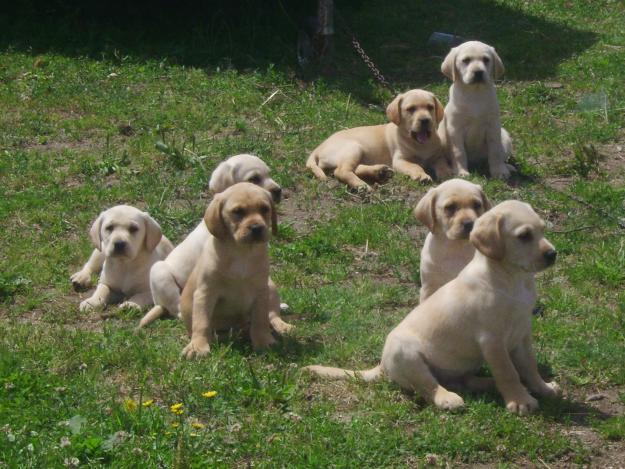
<point x="369" y="63"/>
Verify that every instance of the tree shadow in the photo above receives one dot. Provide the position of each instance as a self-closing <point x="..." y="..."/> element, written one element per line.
<point x="255" y="35"/>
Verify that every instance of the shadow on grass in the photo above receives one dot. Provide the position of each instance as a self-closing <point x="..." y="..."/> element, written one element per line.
<point x="252" y="35"/>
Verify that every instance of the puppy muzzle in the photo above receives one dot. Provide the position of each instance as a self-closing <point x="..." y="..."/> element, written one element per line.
<point x="478" y="77"/>
<point x="257" y="233"/>
<point x="550" y="257"/>
<point x="276" y="194"/>
<point x="420" y="135"/>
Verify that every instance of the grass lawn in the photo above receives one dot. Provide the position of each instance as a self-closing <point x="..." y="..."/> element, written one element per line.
<point x="87" y="92"/>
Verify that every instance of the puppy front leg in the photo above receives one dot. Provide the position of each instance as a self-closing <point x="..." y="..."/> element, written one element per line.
<point x="524" y="359"/>
<point x="460" y="165"/>
<point x="415" y="171"/>
<point x="275" y="320"/>
<point x="507" y="380"/>
<point x="496" y="154"/>
<point x="101" y="296"/>
<point x="82" y="278"/>
<point x="260" y="328"/>
<point x="201" y="331"/>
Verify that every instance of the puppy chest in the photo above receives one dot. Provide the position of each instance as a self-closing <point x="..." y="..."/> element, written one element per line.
<point x="237" y="300"/>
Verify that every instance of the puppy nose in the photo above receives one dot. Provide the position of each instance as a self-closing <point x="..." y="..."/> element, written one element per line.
<point x="467" y="225"/>
<point x="424" y="121"/>
<point x="257" y="229"/>
<point x="119" y="246"/>
<point x="550" y="256"/>
<point x="478" y="75"/>
<point x="276" y="194"/>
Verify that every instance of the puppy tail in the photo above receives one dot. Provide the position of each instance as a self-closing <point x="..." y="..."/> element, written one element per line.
<point x="313" y="165"/>
<point x="156" y="312"/>
<point x="374" y="374"/>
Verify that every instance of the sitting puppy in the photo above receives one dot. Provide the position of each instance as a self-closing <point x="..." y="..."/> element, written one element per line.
<point x="483" y="315"/>
<point x="168" y="277"/>
<point x="471" y="129"/>
<point x="130" y="242"/>
<point x="449" y="211"/>
<point x="408" y="143"/>
<point x="229" y="286"/>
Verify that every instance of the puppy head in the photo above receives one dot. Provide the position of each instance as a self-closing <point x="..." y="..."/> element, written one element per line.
<point x="123" y="231"/>
<point x="452" y="208"/>
<point x="417" y="113"/>
<point x="242" y="168"/>
<point x="513" y="233"/>
<point x="244" y="213"/>
<point x="473" y="62"/>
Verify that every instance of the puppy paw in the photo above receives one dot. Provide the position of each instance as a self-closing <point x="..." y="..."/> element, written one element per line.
<point x="262" y="339"/>
<point x="86" y="305"/>
<point x="281" y="327"/>
<point x="462" y="173"/>
<point x="447" y="400"/>
<point x="363" y="188"/>
<point x="195" y="349"/>
<point x="422" y="178"/>
<point x="522" y="405"/>
<point x="129" y="305"/>
<point x="500" y="171"/>
<point x="81" y="280"/>
<point x="550" y="390"/>
<point x="384" y="173"/>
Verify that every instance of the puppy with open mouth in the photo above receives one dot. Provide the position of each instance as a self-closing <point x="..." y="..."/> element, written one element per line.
<point x="449" y="211"/>
<point x="229" y="287"/>
<point x="409" y="144"/>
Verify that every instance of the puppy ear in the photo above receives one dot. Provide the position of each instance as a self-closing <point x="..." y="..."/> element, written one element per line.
<point x="438" y="109"/>
<point x="485" y="202"/>
<point x="393" y="110"/>
<point x="448" y="66"/>
<point x="486" y="235"/>
<point x="153" y="233"/>
<point x="214" y="219"/>
<point x="498" y="68"/>
<point x="221" y="178"/>
<point x="94" y="232"/>
<point x="425" y="211"/>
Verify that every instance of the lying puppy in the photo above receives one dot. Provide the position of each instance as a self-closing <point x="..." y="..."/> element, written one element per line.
<point x="168" y="277"/>
<point x="130" y="242"/>
<point x="483" y="315"/>
<point x="408" y="143"/>
<point x="449" y="211"/>
<point x="471" y="129"/>
<point x="229" y="286"/>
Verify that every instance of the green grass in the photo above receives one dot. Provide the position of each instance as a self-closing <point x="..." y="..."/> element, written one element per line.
<point x="137" y="104"/>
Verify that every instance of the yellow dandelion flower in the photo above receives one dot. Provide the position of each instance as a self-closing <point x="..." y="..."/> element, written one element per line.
<point x="177" y="409"/>
<point x="130" y="405"/>
<point x="175" y="425"/>
<point x="197" y="425"/>
<point x="148" y="403"/>
<point x="193" y="434"/>
<point x="209" y="394"/>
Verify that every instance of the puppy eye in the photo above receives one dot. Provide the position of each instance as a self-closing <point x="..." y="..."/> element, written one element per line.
<point x="486" y="60"/>
<point x="254" y="180"/>
<point x="264" y="210"/>
<point x="526" y="236"/>
<point x="430" y="107"/>
<point x="109" y="228"/>
<point x="239" y="212"/>
<point x="477" y="205"/>
<point x="466" y="60"/>
<point x="451" y="208"/>
<point x="411" y="109"/>
<point x="132" y="229"/>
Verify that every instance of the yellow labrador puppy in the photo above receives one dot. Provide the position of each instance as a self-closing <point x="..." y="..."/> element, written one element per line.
<point x="229" y="286"/>
<point x="449" y="211"/>
<point x="471" y="129"/>
<point x="168" y="277"/>
<point x="483" y="315"/>
<point x="409" y="143"/>
<point x="130" y="241"/>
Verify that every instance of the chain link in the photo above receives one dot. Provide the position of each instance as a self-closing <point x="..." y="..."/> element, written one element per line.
<point x="369" y="63"/>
